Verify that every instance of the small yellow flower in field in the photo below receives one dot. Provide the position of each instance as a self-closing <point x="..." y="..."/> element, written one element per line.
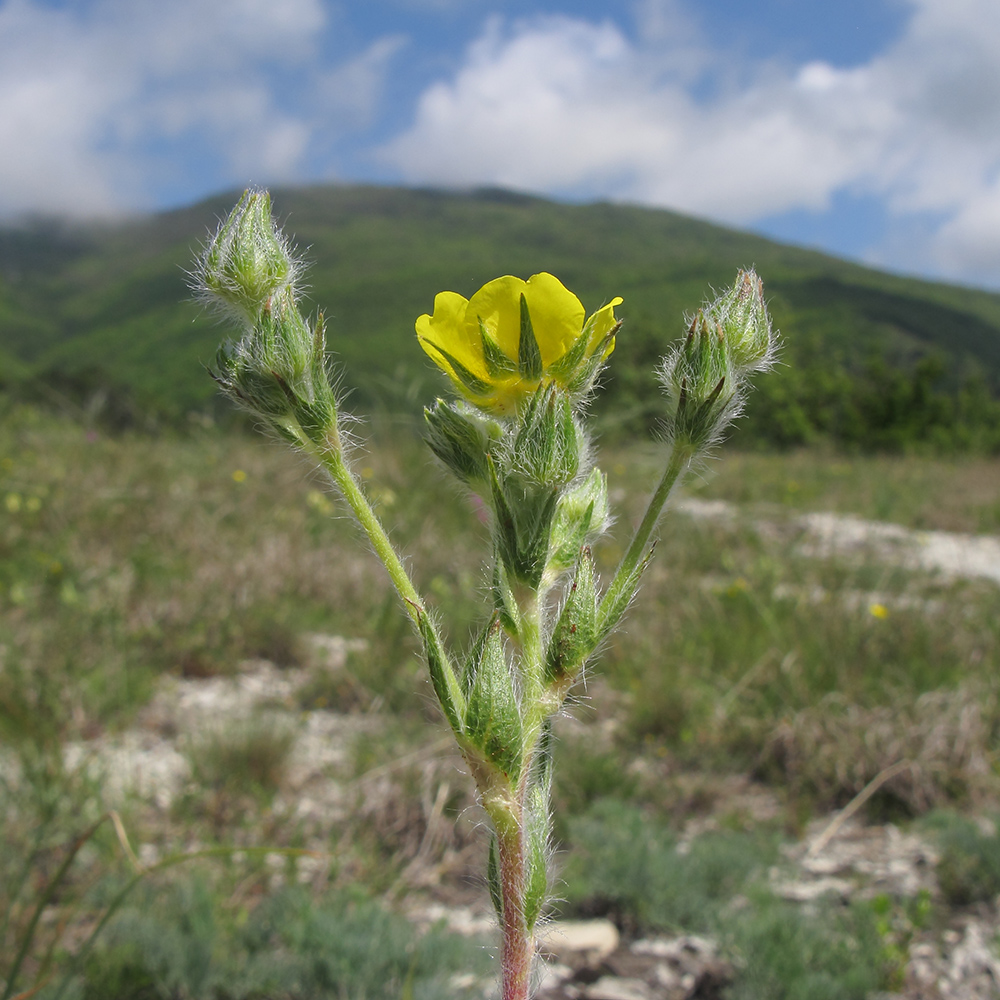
<point x="878" y="611"/>
<point x="13" y="502"/>
<point x="512" y="336"/>
<point x="239" y="476"/>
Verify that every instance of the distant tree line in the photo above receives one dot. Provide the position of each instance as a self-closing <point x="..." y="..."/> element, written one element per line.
<point x="880" y="407"/>
<point x="877" y="407"/>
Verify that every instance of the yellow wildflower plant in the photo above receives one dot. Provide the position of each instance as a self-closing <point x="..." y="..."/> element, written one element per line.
<point x="513" y="336"/>
<point x="522" y="356"/>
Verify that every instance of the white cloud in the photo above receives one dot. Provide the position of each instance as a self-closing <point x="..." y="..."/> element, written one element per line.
<point x="565" y="105"/>
<point x="99" y="102"/>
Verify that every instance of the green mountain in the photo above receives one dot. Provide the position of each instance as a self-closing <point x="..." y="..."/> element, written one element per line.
<point x="105" y="310"/>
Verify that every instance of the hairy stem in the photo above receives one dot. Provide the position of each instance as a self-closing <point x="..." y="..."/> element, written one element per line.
<point x="518" y="947"/>
<point x="332" y="459"/>
<point x="680" y="457"/>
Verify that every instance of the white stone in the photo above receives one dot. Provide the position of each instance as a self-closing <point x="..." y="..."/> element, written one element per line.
<point x="613" y="988"/>
<point x="571" y="941"/>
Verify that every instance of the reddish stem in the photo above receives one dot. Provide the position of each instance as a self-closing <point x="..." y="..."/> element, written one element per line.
<point x="518" y="946"/>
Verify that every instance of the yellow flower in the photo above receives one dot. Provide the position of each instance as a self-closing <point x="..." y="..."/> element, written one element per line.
<point x="513" y="336"/>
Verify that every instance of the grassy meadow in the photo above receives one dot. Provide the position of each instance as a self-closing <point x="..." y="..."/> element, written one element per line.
<point x="756" y="686"/>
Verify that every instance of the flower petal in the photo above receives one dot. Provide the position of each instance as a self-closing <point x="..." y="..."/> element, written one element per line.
<point x="556" y="315"/>
<point x="603" y="322"/>
<point x="498" y="305"/>
<point x="446" y="333"/>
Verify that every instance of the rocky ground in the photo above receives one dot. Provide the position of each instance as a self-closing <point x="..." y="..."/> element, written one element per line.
<point x="587" y="960"/>
<point x="839" y="854"/>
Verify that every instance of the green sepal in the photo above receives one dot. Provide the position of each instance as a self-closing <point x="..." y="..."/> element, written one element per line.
<point x="493" y="716"/>
<point x="576" y="633"/>
<point x="565" y="367"/>
<point x="610" y="612"/>
<point x="587" y="374"/>
<point x="472" y="382"/>
<point x="446" y="686"/>
<point x="493" y="877"/>
<point x="319" y="338"/>
<point x="536" y="844"/>
<point x="529" y="356"/>
<point x="497" y="363"/>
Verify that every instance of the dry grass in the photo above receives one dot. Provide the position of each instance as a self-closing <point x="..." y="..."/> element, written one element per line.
<point x="947" y="741"/>
<point x="125" y="561"/>
<point x="928" y="493"/>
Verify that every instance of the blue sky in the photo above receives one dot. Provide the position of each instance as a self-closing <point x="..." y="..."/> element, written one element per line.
<point x="869" y="128"/>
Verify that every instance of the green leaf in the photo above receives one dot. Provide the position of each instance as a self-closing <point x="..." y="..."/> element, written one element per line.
<point x="576" y="634"/>
<point x="493" y="716"/>
<point x="504" y="601"/>
<point x="536" y="837"/>
<point x="446" y="686"/>
<point x="493" y="877"/>
<point x="611" y="612"/>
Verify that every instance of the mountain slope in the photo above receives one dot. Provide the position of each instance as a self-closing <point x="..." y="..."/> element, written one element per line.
<point x="88" y="307"/>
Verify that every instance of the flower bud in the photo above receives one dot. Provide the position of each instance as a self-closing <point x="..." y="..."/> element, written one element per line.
<point x="248" y="261"/>
<point x="278" y="369"/>
<point x="581" y="518"/>
<point x="462" y="437"/>
<point x="705" y="374"/>
<point x="546" y="449"/>
<point x="700" y="384"/>
<point x="576" y="633"/>
<point x="742" y="317"/>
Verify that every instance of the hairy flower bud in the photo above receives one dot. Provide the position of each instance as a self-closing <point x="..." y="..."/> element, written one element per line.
<point x="462" y="437"/>
<point x="705" y="374"/>
<point x="248" y="261"/>
<point x="742" y="317"/>
<point x="278" y="369"/>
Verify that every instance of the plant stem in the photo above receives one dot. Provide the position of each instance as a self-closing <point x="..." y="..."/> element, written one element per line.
<point x="680" y="457"/>
<point x="517" y="949"/>
<point x="332" y="460"/>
